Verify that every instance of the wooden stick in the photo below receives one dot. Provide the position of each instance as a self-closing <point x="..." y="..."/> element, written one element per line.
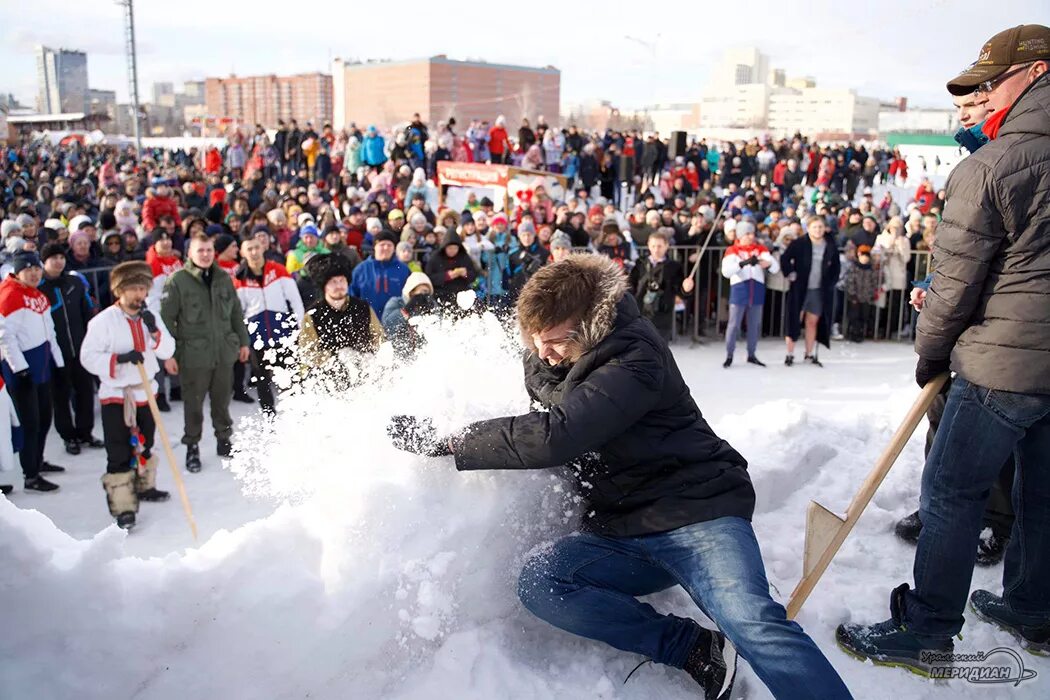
<point x="825" y="531"/>
<point x="162" y="431"/>
<point x="703" y="248"/>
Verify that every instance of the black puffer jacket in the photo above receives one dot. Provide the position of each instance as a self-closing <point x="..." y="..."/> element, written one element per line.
<point x="646" y="461"/>
<point x="988" y="307"/>
<point x="71" y="309"/>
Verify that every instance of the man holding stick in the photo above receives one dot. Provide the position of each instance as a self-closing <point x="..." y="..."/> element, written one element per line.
<point x="122" y="336"/>
<point x="986" y="317"/>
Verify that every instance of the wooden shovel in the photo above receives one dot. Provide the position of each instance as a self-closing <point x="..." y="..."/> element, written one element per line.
<point x="825" y="531"/>
<point x="147" y="387"/>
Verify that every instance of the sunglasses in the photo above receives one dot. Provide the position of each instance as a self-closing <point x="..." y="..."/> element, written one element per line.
<point x="989" y="85"/>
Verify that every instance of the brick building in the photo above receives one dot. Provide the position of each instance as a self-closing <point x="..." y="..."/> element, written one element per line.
<point x="386" y="93"/>
<point x="263" y="99"/>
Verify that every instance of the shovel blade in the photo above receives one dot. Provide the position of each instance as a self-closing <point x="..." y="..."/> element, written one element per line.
<point x="821" y="526"/>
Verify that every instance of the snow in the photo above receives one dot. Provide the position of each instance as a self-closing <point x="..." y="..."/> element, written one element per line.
<point x="332" y="566"/>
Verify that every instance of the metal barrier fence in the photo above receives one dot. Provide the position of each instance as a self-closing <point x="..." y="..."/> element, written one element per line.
<point x="706" y="312"/>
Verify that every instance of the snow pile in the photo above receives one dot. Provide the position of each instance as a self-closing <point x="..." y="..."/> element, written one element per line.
<point x="384" y="575"/>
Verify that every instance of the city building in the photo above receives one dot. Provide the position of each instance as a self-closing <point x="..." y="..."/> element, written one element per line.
<point x="386" y="93"/>
<point x="823" y="113"/>
<point x="62" y="80"/>
<point x="263" y="99"/>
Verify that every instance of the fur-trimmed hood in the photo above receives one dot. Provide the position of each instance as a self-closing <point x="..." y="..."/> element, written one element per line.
<point x="587" y="287"/>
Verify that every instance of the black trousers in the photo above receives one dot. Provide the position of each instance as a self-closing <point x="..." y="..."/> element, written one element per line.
<point x="117" y="436"/>
<point x="999" y="511"/>
<point x="263" y="363"/>
<point x="239" y="371"/>
<point x="33" y="406"/>
<point x="73" y="393"/>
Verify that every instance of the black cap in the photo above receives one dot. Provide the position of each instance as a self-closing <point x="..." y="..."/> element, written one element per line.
<point x="23" y="260"/>
<point x="51" y="250"/>
<point x="387" y="235"/>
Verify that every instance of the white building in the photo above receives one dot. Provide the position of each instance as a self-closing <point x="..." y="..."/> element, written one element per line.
<point x="823" y="110"/>
<point x="62" y="80"/>
<point x="928" y="121"/>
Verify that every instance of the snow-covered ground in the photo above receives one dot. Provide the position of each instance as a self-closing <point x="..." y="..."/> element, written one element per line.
<point x="332" y="566"/>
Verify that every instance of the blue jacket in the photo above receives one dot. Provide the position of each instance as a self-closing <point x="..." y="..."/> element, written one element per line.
<point x="372" y="150"/>
<point x="376" y="282"/>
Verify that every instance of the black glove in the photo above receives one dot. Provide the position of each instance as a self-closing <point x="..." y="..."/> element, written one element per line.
<point x="418" y="436"/>
<point x="149" y="319"/>
<point x="133" y="357"/>
<point x="927" y="369"/>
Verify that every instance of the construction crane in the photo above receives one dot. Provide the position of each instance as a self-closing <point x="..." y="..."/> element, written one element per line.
<point x="133" y="75"/>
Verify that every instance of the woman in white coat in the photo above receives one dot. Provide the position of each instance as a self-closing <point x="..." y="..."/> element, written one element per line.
<point x="893" y="248"/>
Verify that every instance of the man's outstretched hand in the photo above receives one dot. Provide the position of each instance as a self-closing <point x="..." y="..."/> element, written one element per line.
<point x="418" y="436"/>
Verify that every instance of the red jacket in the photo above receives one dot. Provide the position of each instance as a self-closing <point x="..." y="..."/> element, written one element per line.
<point x="156" y="207"/>
<point x="498" y="141"/>
<point x="778" y="173"/>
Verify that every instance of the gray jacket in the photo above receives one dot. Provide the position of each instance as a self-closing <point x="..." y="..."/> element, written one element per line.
<point x="988" y="307"/>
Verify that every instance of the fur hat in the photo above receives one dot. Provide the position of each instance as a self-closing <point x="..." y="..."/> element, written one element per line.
<point x="128" y="273"/>
<point x="322" y="268"/>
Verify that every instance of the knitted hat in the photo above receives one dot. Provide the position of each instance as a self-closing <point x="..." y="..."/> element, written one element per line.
<point x="51" y="250"/>
<point x="413" y="281"/>
<point x="74" y="237"/>
<point x="128" y="273"/>
<point x="386" y="235"/>
<point x="214" y="229"/>
<point x="309" y="230"/>
<point x="23" y="260"/>
<point x="9" y="227"/>
<point x="561" y="240"/>
<point x="222" y="242"/>
<point x="395" y="214"/>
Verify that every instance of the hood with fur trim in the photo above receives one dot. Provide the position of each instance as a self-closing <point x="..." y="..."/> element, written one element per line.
<point x="587" y="287"/>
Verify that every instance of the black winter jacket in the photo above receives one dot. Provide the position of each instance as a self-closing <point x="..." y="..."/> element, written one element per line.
<point x="644" y="458"/>
<point x="71" y="309"/>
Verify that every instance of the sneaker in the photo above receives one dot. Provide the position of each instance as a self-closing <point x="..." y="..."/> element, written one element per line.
<point x="813" y="359"/>
<point x="72" y="447"/>
<point x="175" y="393"/>
<point x="908" y="528"/>
<point x="243" y="397"/>
<point x="712" y="664"/>
<point x="126" y="521"/>
<point x="92" y="442"/>
<point x="836" y="331"/>
<point x="193" y="458"/>
<point x="789" y="360"/>
<point x="990" y="551"/>
<point x="162" y="404"/>
<point x="223" y="448"/>
<point x="154" y="495"/>
<point x="755" y="361"/>
<point x="6" y="489"/>
<point x="891" y="643"/>
<point x="991" y="608"/>
<point x="40" y="485"/>
<point x="728" y="362"/>
<point x="53" y="468"/>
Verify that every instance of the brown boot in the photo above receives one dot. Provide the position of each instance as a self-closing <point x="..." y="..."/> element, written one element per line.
<point x="121" y="498"/>
<point x="146" y="483"/>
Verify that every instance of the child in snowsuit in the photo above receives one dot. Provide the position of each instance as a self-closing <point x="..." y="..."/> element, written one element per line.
<point x="862" y="279"/>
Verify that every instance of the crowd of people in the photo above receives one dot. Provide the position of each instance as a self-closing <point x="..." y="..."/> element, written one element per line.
<point x="293" y="246"/>
<point x="178" y="275"/>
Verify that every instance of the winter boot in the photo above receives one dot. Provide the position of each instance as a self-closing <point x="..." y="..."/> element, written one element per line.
<point x="48" y="467"/>
<point x="126" y="521"/>
<point x="813" y="360"/>
<point x="891" y="643"/>
<point x="223" y="448"/>
<point x="755" y="361"/>
<point x="908" y="528"/>
<point x="175" y="393"/>
<point x="193" y="458"/>
<point x="728" y="363"/>
<point x="146" y="484"/>
<point x="789" y="360"/>
<point x="162" y="404"/>
<point x="92" y="442"/>
<point x="991" y="608"/>
<point x="712" y="664"/>
<point x="40" y="485"/>
<point x="242" y="397"/>
<point x="72" y="447"/>
<point x="120" y="496"/>
<point x="990" y="551"/>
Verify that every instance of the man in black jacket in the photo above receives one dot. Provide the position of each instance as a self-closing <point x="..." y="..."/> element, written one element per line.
<point x="71" y="309"/>
<point x="665" y="500"/>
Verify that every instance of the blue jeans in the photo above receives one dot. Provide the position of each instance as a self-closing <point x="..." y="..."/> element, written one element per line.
<point x="588" y="585"/>
<point x="980" y="429"/>
<point x="754" y="327"/>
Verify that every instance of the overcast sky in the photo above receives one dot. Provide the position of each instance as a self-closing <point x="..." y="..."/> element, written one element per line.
<point x="904" y="47"/>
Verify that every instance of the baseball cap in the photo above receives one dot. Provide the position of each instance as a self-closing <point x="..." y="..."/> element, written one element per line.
<point x="1020" y="44"/>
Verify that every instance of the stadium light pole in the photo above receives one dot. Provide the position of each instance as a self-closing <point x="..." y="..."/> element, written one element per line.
<point x="133" y="76"/>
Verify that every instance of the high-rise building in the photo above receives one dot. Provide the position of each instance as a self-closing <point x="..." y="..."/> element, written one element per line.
<point x="62" y="80"/>
<point x="162" y="91"/>
<point x="263" y="99"/>
<point x="385" y="93"/>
